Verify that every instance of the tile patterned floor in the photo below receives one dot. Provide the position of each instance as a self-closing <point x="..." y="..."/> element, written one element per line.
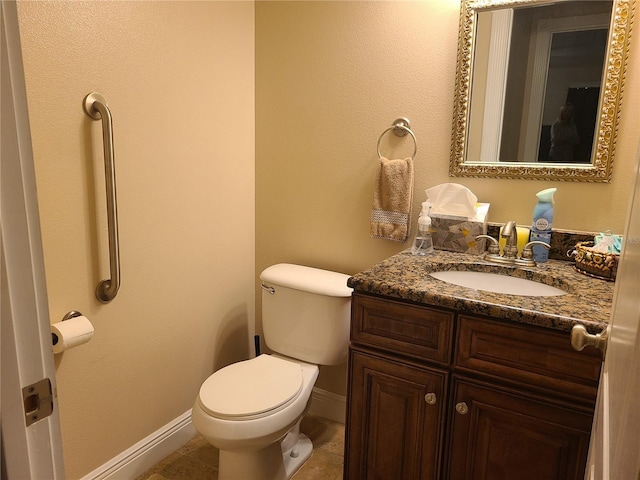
<point x="198" y="460"/>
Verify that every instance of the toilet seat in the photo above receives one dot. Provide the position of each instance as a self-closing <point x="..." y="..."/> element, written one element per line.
<point x="252" y="388"/>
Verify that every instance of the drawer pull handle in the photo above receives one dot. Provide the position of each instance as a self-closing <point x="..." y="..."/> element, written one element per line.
<point x="430" y="398"/>
<point x="462" y="408"/>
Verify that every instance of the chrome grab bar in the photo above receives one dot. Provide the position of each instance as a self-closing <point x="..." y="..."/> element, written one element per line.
<point x="96" y="107"/>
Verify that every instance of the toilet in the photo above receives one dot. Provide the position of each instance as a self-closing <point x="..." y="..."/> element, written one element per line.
<point x="251" y="410"/>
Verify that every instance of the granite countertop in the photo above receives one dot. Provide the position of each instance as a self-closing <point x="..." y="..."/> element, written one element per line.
<point x="406" y="277"/>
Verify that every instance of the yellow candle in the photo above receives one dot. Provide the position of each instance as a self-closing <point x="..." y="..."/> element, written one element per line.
<point x="523" y="239"/>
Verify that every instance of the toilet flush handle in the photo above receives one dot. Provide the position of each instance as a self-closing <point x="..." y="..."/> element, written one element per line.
<point x="270" y="290"/>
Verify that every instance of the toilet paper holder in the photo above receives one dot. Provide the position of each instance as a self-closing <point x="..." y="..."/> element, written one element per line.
<point x="71" y="314"/>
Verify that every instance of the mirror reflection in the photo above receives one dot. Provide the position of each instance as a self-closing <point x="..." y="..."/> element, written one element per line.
<point x="540" y="68"/>
<point x="538" y="88"/>
<point x="572" y="92"/>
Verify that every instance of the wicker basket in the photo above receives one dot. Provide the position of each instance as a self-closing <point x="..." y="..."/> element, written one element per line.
<point x="594" y="263"/>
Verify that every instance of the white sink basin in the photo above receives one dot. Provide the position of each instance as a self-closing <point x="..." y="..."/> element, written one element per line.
<point x="493" y="282"/>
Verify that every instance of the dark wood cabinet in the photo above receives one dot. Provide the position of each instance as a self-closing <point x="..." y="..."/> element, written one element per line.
<point x="396" y="418"/>
<point x="503" y="435"/>
<point x="438" y="394"/>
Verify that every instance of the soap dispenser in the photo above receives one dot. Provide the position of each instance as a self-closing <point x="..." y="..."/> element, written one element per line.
<point x="423" y="243"/>
<point x="541" y="226"/>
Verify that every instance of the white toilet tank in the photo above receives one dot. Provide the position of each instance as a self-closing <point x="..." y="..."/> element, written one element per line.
<point x="305" y="313"/>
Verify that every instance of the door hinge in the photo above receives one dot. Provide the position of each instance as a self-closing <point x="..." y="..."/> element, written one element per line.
<point x="37" y="399"/>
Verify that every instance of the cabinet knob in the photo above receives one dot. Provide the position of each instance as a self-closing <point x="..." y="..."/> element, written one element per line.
<point x="462" y="408"/>
<point x="580" y="338"/>
<point x="431" y="398"/>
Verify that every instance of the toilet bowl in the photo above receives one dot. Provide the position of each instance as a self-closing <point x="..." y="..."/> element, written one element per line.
<point x="251" y="410"/>
<point x="246" y="409"/>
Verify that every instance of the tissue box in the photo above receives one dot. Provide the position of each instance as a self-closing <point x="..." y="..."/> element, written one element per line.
<point x="458" y="234"/>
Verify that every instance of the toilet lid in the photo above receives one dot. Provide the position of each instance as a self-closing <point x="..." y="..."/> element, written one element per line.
<point x="252" y="388"/>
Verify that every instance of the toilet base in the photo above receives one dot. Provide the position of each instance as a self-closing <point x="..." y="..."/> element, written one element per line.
<point x="297" y="455"/>
<point x="270" y="463"/>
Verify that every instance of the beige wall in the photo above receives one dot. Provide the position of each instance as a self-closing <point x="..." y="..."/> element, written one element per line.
<point x="179" y="79"/>
<point x="330" y="77"/>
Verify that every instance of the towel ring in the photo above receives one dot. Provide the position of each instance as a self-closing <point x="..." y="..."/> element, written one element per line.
<point x="400" y="128"/>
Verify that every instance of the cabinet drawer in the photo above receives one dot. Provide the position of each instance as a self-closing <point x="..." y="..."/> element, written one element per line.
<point x="527" y="355"/>
<point x="414" y="331"/>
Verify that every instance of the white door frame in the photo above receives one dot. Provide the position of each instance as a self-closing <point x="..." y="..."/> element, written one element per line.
<point x="33" y="451"/>
<point x="544" y="35"/>
<point x="614" y="452"/>
<point x="496" y="90"/>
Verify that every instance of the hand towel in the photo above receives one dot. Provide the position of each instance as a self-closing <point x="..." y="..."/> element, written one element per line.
<point x="392" y="200"/>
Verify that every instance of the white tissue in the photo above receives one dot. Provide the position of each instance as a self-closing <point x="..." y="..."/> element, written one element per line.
<point x="452" y="200"/>
<point x="71" y="333"/>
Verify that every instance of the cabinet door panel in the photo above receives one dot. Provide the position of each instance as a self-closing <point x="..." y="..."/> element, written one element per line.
<point x="505" y="435"/>
<point x="392" y="432"/>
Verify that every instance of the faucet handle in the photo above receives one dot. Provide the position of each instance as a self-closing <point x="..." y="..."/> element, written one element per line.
<point x="494" y="246"/>
<point x="526" y="258"/>
<point x="527" y="251"/>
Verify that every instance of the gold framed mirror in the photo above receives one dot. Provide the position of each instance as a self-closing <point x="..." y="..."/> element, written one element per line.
<point x="495" y="136"/>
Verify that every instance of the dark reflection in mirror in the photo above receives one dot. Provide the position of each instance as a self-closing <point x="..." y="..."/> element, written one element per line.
<point x="554" y="57"/>
<point x="570" y="112"/>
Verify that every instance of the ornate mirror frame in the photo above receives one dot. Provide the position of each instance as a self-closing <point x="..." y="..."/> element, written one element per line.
<point x="600" y="169"/>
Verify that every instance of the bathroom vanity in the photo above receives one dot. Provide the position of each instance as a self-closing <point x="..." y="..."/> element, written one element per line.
<point x="448" y="382"/>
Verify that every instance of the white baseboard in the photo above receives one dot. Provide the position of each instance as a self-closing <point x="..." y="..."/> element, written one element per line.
<point x="328" y="405"/>
<point x="136" y="460"/>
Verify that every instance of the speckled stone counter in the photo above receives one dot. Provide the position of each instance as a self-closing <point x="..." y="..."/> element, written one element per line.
<point x="406" y="277"/>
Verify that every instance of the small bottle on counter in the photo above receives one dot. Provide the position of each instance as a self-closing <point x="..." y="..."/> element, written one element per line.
<point x="423" y="243"/>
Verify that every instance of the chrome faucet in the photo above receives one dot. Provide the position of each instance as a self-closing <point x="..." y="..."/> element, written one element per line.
<point x="510" y="232"/>
<point x="510" y="253"/>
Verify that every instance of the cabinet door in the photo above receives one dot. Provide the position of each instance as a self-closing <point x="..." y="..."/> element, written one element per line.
<point x="395" y="420"/>
<point x="503" y="435"/>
